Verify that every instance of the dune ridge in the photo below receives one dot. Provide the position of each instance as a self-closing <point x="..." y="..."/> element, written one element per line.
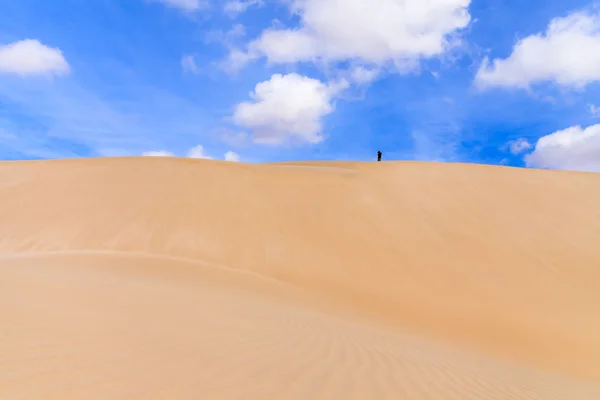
<point x="376" y="264"/>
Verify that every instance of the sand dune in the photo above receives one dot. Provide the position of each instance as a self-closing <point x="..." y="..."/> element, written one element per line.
<point x="146" y="278"/>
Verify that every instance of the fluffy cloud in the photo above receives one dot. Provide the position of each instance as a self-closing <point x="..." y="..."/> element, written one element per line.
<point x="373" y="32"/>
<point x="594" y="110"/>
<point x="231" y="156"/>
<point x="185" y="5"/>
<point x="30" y="57"/>
<point x="518" y="146"/>
<point x="158" y="153"/>
<point x="568" y="53"/>
<point x="194" y="152"/>
<point x="198" y="152"/>
<point x="287" y="107"/>
<point x="363" y="75"/>
<point x="573" y="148"/>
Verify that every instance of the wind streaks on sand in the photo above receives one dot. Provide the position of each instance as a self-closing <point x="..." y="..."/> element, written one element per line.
<point x="105" y="328"/>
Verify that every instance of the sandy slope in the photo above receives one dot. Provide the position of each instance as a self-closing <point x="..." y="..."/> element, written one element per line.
<point x="173" y="278"/>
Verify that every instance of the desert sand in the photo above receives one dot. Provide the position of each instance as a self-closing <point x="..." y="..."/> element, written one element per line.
<point x="168" y="278"/>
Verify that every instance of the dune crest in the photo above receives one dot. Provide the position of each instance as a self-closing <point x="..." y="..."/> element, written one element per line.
<point x="162" y="277"/>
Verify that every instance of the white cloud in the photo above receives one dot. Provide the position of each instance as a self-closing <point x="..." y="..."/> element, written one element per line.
<point x="231" y="156"/>
<point x="374" y="32"/>
<point x="287" y="107"/>
<point x="188" y="63"/>
<point x="30" y="57"/>
<point x="568" y="53"/>
<point x="235" y="7"/>
<point x="363" y="75"/>
<point x="594" y="110"/>
<point x="185" y="5"/>
<point x="236" y="60"/>
<point x="573" y="148"/>
<point x="518" y="146"/>
<point x="198" y="152"/>
<point x="194" y="152"/>
<point x="158" y="153"/>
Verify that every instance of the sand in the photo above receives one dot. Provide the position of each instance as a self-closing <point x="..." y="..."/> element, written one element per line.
<point x="167" y="278"/>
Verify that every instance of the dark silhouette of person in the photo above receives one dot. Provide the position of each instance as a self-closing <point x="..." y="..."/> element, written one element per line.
<point x="379" y="156"/>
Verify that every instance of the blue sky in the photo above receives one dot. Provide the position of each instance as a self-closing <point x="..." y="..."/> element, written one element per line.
<point x="110" y="78"/>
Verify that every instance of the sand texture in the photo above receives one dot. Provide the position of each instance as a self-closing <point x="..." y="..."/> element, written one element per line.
<point x="167" y="278"/>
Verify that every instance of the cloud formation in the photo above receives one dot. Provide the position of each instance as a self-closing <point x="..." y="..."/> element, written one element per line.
<point x="287" y="108"/>
<point x="568" y="53"/>
<point x="574" y="148"/>
<point x="235" y="7"/>
<point x="518" y="146"/>
<point x="198" y="152"/>
<point x="373" y="32"/>
<point x="362" y="75"/>
<point x="31" y="57"/>
<point x="231" y="156"/>
<point x="195" y="152"/>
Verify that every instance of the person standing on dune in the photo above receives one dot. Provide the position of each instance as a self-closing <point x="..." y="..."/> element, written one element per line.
<point x="379" y="156"/>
